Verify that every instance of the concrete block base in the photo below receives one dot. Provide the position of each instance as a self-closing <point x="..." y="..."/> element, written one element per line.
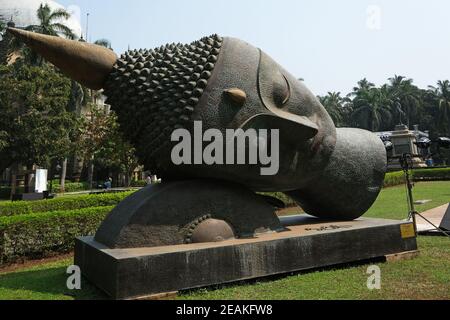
<point x="307" y="244"/>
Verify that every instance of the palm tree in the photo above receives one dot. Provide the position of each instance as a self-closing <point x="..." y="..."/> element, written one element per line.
<point x="372" y="108"/>
<point x="406" y="98"/>
<point x="50" y="22"/>
<point x="363" y="86"/>
<point x="104" y="43"/>
<point x="3" y="48"/>
<point x="334" y="104"/>
<point x="442" y="94"/>
<point x="2" y="28"/>
<point x="396" y="80"/>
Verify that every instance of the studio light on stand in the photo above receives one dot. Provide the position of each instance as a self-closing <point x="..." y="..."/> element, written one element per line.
<point x="423" y="143"/>
<point x="388" y="145"/>
<point x="443" y="142"/>
<point x="407" y="164"/>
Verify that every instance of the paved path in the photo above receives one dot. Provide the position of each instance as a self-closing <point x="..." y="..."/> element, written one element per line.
<point x="434" y="215"/>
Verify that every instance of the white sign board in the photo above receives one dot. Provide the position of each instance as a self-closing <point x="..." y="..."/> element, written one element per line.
<point x="41" y="181"/>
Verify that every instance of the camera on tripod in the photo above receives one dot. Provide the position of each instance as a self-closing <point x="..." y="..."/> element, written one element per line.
<point x="406" y="161"/>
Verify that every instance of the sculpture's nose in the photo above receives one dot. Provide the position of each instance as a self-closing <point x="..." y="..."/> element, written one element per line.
<point x="293" y="128"/>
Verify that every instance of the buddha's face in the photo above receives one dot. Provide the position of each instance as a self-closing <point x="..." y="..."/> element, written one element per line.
<point x="248" y="89"/>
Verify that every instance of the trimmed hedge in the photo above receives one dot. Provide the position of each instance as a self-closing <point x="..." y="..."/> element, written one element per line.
<point x="432" y="174"/>
<point x="5" y="192"/>
<point x="393" y="179"/>
<point x="40" y="235"/>
<point x="138" y="183"/>
<point x="71" y="187"/>
<point x="61" y="204"/>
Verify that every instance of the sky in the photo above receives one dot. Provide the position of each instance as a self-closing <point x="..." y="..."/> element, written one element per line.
<point x="330" y="44"/>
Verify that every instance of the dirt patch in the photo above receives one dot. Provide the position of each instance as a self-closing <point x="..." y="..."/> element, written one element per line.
<point x="32" y="263"/>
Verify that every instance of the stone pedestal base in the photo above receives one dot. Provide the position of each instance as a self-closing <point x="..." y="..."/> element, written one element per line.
<point x="309" y="243"/>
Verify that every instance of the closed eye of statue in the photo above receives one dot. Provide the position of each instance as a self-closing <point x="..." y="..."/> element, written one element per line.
<point x="281" y="90"/>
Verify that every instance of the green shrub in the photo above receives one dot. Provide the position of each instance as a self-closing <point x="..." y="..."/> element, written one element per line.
<point x="394" y="179"/>
<point x="281" y="196"/>
<point x="61" y="204"/>
<point x="71" y="187"/>
<point x="5" y="192"/>
<point x="15" y="208"/>
<point x="39" y="235"/>
<point x="139" y="183"/>
<point x="432" y="174"/>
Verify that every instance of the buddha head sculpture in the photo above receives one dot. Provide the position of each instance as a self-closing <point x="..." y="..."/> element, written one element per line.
<point x="226" y="83"/>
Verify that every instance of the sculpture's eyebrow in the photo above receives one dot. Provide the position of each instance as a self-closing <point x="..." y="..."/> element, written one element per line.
<point x="273" y="86"/>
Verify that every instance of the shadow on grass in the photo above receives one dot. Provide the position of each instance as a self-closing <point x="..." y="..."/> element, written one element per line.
<point x="46" y="284"/>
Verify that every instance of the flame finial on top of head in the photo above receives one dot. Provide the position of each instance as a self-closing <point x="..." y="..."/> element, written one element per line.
<point x="87" y="63"/>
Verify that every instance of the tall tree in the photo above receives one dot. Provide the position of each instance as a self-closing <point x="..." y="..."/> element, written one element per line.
<point x="36" y="125"/>
<point x="95" y="129"/>
<point x="363" y="86"/>
<point x="442" y="94"/>
<point x="116" y="152"/>
<point x="334" y="104"/>
<point x="104" y="43"/>
<point x="2" y="27"/>
<point x="372" y="108"/>
<point x="50" y="23"/>
<point x="406" y="98"/>
<point x="80" y="98"/>
<point x="3" y="140"/>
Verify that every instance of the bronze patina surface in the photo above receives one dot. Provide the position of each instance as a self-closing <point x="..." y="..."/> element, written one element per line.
<point x="225" y="83"/>
<point x="86" y="63"/>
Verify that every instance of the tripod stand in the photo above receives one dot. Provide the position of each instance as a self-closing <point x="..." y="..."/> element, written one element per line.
<point x="407" y="165"/>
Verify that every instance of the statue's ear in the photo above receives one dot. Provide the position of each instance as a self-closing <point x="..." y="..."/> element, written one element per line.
<point x="293" y="128"/>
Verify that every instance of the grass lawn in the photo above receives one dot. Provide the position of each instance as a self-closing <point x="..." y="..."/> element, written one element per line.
<point x="392" y="202"/>
<point x="426" y="277"/>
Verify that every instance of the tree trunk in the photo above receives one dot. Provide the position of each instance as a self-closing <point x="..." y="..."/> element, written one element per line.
<point x="127" y="179"/>
<point x="91" y="173"/>
<point x="62" y="181"/>
<point x="13" y="181"/>
<point x="28" y="178"/>
<point x="77" y="169"/>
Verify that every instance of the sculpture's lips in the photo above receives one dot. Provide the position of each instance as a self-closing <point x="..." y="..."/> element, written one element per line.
<point x="317" y="142"/>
